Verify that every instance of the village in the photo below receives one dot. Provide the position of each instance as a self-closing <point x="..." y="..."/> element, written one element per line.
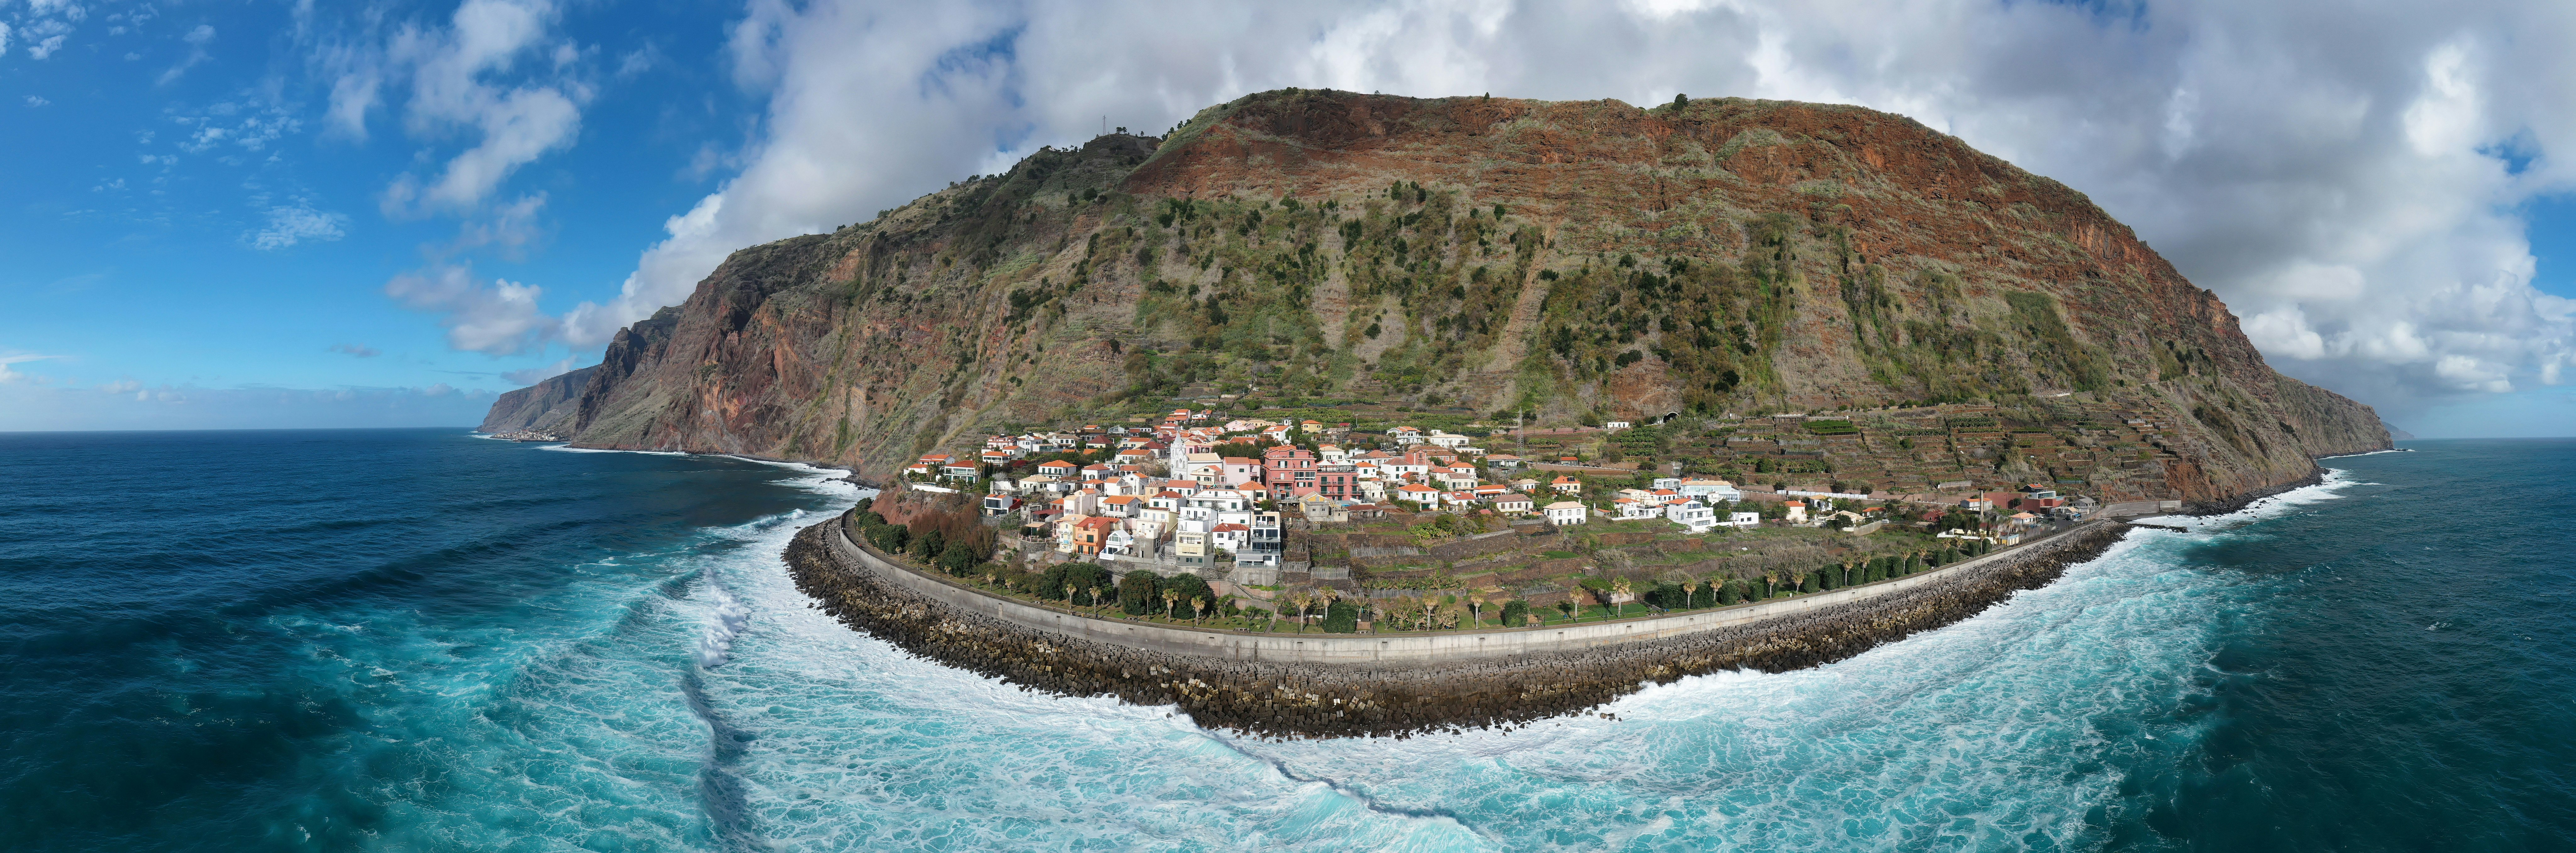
<point x="1264" y="510"/>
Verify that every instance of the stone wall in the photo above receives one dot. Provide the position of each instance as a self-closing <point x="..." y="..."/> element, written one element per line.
<point x="1337" y="685"/>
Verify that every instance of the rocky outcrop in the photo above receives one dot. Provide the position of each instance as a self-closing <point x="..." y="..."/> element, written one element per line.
<point x="1566" y="259"/>
<point x="543" y="407"/>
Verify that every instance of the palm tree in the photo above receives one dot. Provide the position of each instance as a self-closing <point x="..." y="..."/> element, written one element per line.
<point x="1301" y="599"/>
<point x="1095" y="601"/>
<point x="1171" y="601"/>
<point x="1068" y="596"/>
<point x="1328" y="594"/>
<point x="1476" y="610"/>
<point x="1197" y="604"/>
<point x="1618" y="590"/>
<point x="1690" y="593"/>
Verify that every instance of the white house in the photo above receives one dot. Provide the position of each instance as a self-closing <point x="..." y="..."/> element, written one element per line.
<point x="1711" y="491"/>
<point x="1691" y="514"/>
<point x="1427" y="496"/>
<point x="1631" y="509"/>
<point x="1562" y="513"/>
<point x="1447" y="439"/>
<point x="1513" y="503"/>
<point x="1797" y="511"/>
<point x="1743" y="519"/>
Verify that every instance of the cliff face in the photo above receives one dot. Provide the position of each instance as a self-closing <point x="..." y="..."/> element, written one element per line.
<point x="1493" y="255"/>
<point x="542" y="407"/>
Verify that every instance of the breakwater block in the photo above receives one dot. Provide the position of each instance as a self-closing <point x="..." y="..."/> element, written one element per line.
<point x="1398" y="700"/>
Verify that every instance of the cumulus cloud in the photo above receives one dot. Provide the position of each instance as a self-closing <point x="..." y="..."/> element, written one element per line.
<point x="2346" y="178"/>
<point x="356" y="350"/>
<point x="289" y="225"/>
<point x="462" y="79"/>
<point x="498" y="319"/>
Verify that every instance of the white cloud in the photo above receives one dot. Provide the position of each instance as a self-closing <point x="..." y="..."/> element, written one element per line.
<point x="2337" y="185"/>
<point x="36" y="101"/>
<point x="45" y="49"/>
<point x="358" y="350"/>
<point x="501" y="319"/>
<point x="4" y="38"/>
<point x="460" y="80"/>
<point x="10" y="376"/>
<point x="197" y="39"/>
<point x="289" y="225"/>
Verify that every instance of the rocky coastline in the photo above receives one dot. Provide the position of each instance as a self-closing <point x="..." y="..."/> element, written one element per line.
<point x="1349" y="700"/>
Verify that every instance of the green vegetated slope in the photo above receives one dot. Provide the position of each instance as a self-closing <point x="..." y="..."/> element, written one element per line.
<point x="1468" y="256"/>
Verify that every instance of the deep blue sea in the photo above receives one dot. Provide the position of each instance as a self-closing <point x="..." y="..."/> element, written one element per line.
<point x="423" y="640"/>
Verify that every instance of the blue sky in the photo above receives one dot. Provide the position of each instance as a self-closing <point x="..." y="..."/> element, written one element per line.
<point x="246" y="214"/>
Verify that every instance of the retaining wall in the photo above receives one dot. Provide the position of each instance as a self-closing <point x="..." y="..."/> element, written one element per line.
<point x="1406" y="647"/>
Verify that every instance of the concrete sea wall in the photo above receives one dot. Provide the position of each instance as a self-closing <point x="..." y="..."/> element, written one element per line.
<point x="1395" y="684"/>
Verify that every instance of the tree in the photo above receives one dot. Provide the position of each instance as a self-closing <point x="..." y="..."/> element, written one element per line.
<point x="958" y="557"/>
<point x="1136" y="592"/>
<point x="1476" y="609"/>
<point x="1690" y="593"/>
<point x="1095" y="600"/>
<point x="1515" y="613"/>
<point x="1302" y="600"/>
<point x="1341" y="617"/>
<point x="1197" y="606"/>
<point x="1567" y="605"/>
<point x="1618" y="590"/>
<point x="1730" y="592"/>
<point x="1171" y="602"/>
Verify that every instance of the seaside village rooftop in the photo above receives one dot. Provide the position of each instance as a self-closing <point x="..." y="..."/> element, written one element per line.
<point x="1254" y="505"/>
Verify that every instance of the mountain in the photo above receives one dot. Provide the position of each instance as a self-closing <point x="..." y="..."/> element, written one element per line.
<point x="1467" y="257"/>
<point x="541" y="407"/>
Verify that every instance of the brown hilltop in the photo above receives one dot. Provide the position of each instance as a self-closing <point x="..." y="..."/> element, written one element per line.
<point x="1570" y="259"/>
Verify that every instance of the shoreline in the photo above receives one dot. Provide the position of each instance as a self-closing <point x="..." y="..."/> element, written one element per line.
<point x="1375" y="698"/>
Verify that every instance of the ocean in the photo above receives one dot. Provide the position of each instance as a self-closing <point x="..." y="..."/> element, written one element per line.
<point x="425" y="640"/>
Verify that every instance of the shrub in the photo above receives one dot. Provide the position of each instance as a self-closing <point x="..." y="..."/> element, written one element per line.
<point x="1081" y="576"/>
<point x="1343" y="618"/>
<point x="1730" y="592"/>
<point x="1515" y="613"/>
<point x="1807" y="582"/>
<point x="1136" y="593"/>
<point x="958" y="557"/>
<point x="1189" y="586"/>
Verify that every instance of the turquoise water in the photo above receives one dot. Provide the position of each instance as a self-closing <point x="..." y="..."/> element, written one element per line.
<point x="422" y="640"/>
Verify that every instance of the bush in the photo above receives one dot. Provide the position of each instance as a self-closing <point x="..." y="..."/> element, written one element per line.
<point x="1515" y="613"/>
<point x="1807" y="582"/>
<point x="1730" y="592"/>
<point x="1189" y="586"/>
<point x="958" y="557"/>
<point x="1136" y="593"/>
<point x="1081" y="576"/>
<point x="1343" y="618"/>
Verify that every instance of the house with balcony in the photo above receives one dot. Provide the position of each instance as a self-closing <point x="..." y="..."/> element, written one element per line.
<point x="1565" y="485"/>
<point x="1426" y="497"/>
<point x="1691" y="515"/>
<point x="1562" y="513"/>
